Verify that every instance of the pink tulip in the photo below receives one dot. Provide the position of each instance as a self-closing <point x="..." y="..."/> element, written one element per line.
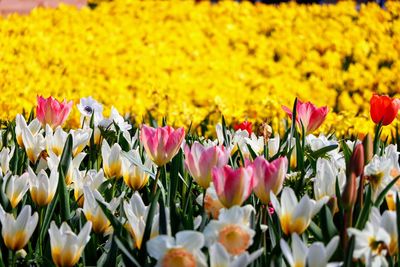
<point x="233" y="187"/>
<point x="269" y="176"/>
<point x="201" y="160"/>
<point x="161" y="143"/>
<point x="308" y="114"/>
<point x="50" y="111"/>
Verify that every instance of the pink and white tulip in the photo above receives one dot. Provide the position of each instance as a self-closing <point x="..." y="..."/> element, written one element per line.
<point x="309" y="115"/>
<point x="52" y="112"/>
<point x="269" y="176"/>
<point x="161" y="143"/>
<point x="233" y="187"/>
<point x="200" y="161"/>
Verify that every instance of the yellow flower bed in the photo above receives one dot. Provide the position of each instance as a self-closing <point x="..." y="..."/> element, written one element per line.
<point x="192" y="61"/>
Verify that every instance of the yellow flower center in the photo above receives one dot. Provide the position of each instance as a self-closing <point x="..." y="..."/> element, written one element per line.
<point x="376" y="180"/>
<point x="178" y="257"/>
<point x="234" y="239"/>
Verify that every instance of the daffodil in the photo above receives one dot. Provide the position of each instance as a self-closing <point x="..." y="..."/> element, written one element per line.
<point x="219" y="257"/>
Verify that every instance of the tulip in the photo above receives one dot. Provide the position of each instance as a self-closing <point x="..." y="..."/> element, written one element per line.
<point x="244" y="126"/>
<point x="269" y="176"/>
<point x="20" y="123"/>
<point x="200" y="161"/>
<point x="233" y="187"/>
<point x="91" y="178"/>
<point x="55" y="140"/>
<point x="161" y="143"/>
<point x="51" y="111"/>
<point x="66" y="246"/>
<point x="308" y="115"/>
<point x="5" y="156"/>
<point x="93" y="211"/>
<point x="112" y="161"/>
<point x="17" y="232"/>
<point x="295" y="216"/>
<point x="34" y="144"/>
<point x="15" y="187"/>
<point x="42" y="187"/>
<point x="136" y="176"/>
<point x="80" y="139"/>
<point x="53" y="162"/>
<point x="383" y="109"/>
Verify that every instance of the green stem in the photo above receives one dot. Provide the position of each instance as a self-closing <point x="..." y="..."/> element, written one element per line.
<point x="156" y="180"/>
<point x="41" y="214"/>
<point x="377" y="137"/>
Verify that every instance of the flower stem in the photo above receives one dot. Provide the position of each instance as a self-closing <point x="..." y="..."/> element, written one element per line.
<point x="156" y="181"/>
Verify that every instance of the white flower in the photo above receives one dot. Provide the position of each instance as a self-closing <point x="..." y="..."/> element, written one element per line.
<point x="91" y="179"/>
<point x="378" y="172"/>
<point x="5" y="156"/>
<point x="66" y="246"/>
<point x="42" y="188"/>
<point x="317" y="255"/>
<point x="219" y="257"/>
<point x="117" y="119"/>
<point x="295" y="216"/>
<point x="17" y="232"/>
<point x="53" y="161"/>
<point x="273" y="145"/>
<point x="136" y="212"/>
<point x="15" y="187"/>
<point x="371" y="242"/>
<point x="182" y="251"/>
<point x="55" y="141"/>
<point x="256" y="143"/>
<point x="392" y="155"/>
<point x="325" y="179"/>
<point x="131" y="140"/>
<point x="112" y="160"/>
<point x="34" y="144"/>
<point x="316" y="143"/>
<point x="212" y="205"/>
<point x="135" y="176"/>
<point x="20" y="123"/>
<point x="80" y="139"/>
<point x="88" y="106"/>
<point x="232" y="229"/>
<point x="93" y="211"/>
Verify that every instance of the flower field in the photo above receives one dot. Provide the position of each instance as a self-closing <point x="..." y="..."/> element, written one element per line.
<point x="183" y="134"/>
<point x="192" y="62"/>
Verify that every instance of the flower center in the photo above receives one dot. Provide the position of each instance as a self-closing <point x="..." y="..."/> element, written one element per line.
<point x="88" y="109"/>
<point x="178" y="257"/>
<point x="212" y="206"/>
<point x="234" y="239"/>
<point x="376" y="180"/>
<point x="377" y="246"/>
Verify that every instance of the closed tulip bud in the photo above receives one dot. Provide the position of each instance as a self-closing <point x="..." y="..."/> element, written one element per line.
<point x="42" y="187"/>
<point x="349" y="195"/>
<point x="112" y="160"/>
<point x="15" y="187"/>
<point x="357" y="160"/>
<point x="368" y="148"/>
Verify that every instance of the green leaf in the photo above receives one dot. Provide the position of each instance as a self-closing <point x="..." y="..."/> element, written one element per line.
<point x="44" y="227"/>
<point x="323" y="151"/>
<point x="63" y="167"/>
<point x="398" y="224"/>
<point x="316" y="231"/>
<point x="363" y="217"/>
<point x="327" y="226"/>
<point x="348" y="258"/>
<point x="126" y="252"/>
<point x="147" y="229"/>
<point x="382" y="195"/>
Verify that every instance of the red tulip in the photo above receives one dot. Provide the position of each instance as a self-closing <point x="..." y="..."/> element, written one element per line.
<point x="309" y="115"/>
<point x="383" y="109"/>
<point x="52" y="112"/>
<point x="244" y="126"/>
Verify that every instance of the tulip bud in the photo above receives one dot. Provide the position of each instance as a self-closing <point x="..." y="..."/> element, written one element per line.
<point x="349" y="195"/>
<point x="368" y="148"/>
<point x="357" y="161"/>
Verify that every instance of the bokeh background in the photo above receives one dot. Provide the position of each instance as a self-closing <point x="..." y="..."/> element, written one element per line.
<point x="195" y="60"/>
